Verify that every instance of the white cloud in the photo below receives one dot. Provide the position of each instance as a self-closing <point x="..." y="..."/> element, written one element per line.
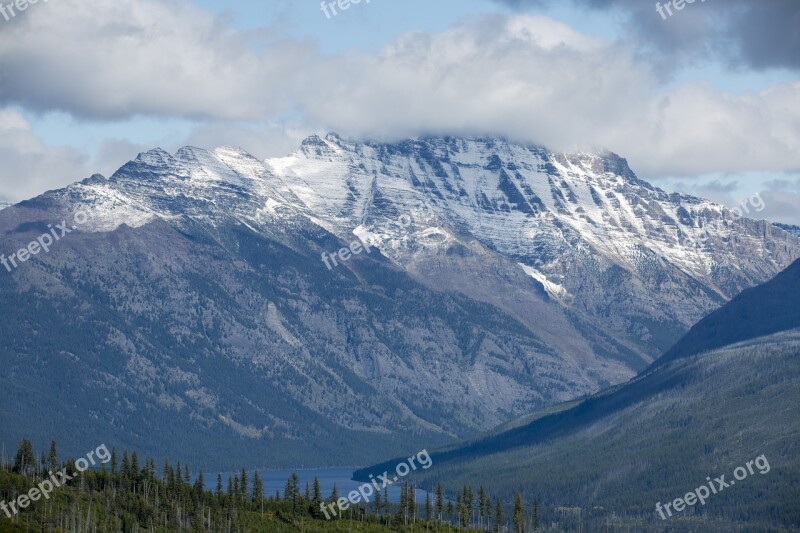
<point x="29" y="166"/>
<point x="113" y="59"/>
<point x="527" y="78"/>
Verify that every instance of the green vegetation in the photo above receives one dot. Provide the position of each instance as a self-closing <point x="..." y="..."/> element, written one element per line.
<point x="128" y="496"/>
<point x="606" y="462"/>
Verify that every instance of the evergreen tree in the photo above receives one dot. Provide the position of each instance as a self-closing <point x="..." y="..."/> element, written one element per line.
<point x="481" y="505"/>
<point x="126" y="466"/>
<point x="469" y="498"/>
<point x="317" y="494"/>
<point x="292" y="490"/>
<point x="258" y="488"/>
<point x="378" y="502"/>
<point x="134" y="465"/>
<point x="134" y="469"/>
<point x="536" y="514"/>
<point x="25" y="460"/>
<point x="243" y="486"/>
<point x="53" y="457"/>
<point x="199" y="484"/>
<point x="463" y="509"/>
<point x="439" y="500"/>
<point x="519" y="515"/>
<point x="169" y="476"/>
<point x="219" y="484"/>
<point x="402" y="509"/>
<point x="412" y="502"/>
<point x="450" y="510"/>
<point x="428" y="506"/>
<point x="114" y="462"/>
<point x="498" y="515"/>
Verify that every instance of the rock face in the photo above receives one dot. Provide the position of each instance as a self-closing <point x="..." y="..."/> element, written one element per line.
<point x="193" y="311"/>
<point x="718" y="398"/>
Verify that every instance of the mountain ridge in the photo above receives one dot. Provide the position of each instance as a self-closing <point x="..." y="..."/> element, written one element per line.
<point x="203" y="269"/>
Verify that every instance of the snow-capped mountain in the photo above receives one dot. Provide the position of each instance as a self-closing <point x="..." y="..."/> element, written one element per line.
<point x="193" y="305"/>
<point x="647" y="263"/>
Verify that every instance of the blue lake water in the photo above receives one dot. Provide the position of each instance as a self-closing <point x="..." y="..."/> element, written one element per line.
<point x="276" y="480"/>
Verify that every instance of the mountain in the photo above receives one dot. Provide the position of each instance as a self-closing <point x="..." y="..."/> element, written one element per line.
<point x="608" y="246"/>
<point x="188" y="304"/>
<point x="617" y="453"/>
<point x="794" y="230"/>
<point x="757" y="312"/>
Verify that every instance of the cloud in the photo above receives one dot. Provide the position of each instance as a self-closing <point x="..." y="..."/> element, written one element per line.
<point x="755" y="34"/>
<point x="533" y="79"/>
<point x="262" y="140"/>
<point x="527" y="78"/>
<point x="29" y="166"/>
<point x="782" y="200"/>
<point x="112" y="59"/>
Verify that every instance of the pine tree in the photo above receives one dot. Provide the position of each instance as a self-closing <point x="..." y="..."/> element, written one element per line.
<point x="135" y="469"/>
<point x="378" y="502"/>
<point x="317" y="494"/>
<point x="113" y="463"/>
<point x="463" y="509"/>
<point x="219" y="484"/>
<point x="402" y="511"/>
<point x="481" y="505"/>
<point x="412" y="502"/>
<point x="53" y="457"/>
<point x="428" y="506"/>
<point x="243" y="486"/>
<point x="469" y="497"/>
<point x="536" y="514"/>
<point x="449" y="510"/>
<point x="498" y="515"/>
<point x="258" y="488"/>
<point x="519" y="515"/>
<point x="292" y="490"/>
<point x="439" y="500"/>
<point x="25" y="460"/>
<point x="258" y="491"/>
<point x="126" y="467"/>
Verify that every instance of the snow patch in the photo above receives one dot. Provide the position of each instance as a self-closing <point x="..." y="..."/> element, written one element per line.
<point x="553" y="289"/>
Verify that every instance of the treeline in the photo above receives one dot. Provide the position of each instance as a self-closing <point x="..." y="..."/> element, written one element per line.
<point x="129" y="495"/>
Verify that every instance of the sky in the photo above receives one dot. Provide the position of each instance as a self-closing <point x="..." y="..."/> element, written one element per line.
<point x="705" y="100"/>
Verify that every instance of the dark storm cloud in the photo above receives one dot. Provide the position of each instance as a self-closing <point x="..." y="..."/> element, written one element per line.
<point x="758" y="34"/>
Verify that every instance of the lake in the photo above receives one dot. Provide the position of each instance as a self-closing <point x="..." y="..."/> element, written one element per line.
<point x="276" y="480"/>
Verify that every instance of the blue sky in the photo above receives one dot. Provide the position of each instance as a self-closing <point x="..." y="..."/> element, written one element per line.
<point x="691" y="107"/>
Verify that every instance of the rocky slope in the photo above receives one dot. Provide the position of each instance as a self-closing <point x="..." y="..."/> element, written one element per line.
<point x="193" y="305"/>
<point x="693" y="414"/>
